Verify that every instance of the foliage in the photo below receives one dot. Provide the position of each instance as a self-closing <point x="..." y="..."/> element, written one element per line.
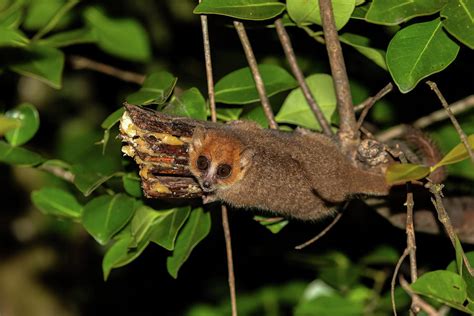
<point x="105" y="197"/>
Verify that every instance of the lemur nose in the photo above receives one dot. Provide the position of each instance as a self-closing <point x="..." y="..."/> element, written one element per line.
<point x="206" y="184"/>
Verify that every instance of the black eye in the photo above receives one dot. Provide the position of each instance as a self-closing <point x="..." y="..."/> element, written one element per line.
<point x="223" y="171"/>
<point x="202" y="163"/>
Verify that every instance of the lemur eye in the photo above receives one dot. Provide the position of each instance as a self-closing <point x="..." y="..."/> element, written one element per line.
<point x="223" y="171"/>
<point x="202" y="163"/>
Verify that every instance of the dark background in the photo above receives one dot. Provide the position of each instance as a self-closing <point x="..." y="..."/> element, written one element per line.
<point x="65" y="262"/>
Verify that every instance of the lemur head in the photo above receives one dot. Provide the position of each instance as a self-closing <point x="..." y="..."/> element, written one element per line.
<point x="217" y="159"/>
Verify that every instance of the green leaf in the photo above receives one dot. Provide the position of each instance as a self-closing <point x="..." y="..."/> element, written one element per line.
<point x="238" y="87"/>
<point x="131" y="184"/>
<point x="389" y="12"/>
<point x="8" y="123"/>
<point x="274" y="226"/>
<point x="190" y="103"/>
<point x="40" y="12"/>
<point x="107" y="124"/>
<point x="228" y="114"/>
<point x="105" y="215"/>
<point x="87" y="181"/>
<point x="57" y="202"/>
<point x="303" y="11"/>
<point x="155" y="90"/>
<point x="360" y="11"/>
<point x="196" y="229"/>
<point x="255" y="10"/>
<point x="112" y="119"/>
<point x="43" y="63"/>
<point x="11" y="17"/>
<point x="418" y="51"/>
<point x="121" y="253"/>
<point x="114" y="257"/>
<point x="255" y="113"/>
<point x="382" y="255"/>
<point x="67" y="38"/>
<point x="124" y="38"/>
<point x="142" y="223"/>
<point x="400" y="173"/>
<point x="361" y="44"/>
<point x="459" y="20"/>
<point x="444" y="286"/>
<point x="333" y="305"/>
<point x="458" y="266"/>
<point x="18" y="156"/>
<point x="12" y="38"/>
<point x="55" y="20"/>
<point x="456" y="154"/>
<point x="28" y="117"/>
<point x="295" y="109"/>
<point x="165" y="231"/>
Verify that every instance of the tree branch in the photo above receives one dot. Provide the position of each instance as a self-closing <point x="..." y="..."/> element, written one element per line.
<point x="79" y="62"/>
<point x="436" y="190"/>
<point x="290" y="56"/>
<point x="225" y="218"/>
<point x="267" y="108"/>
<point x="348" y="127"/>
<point x="434" y="117"/>
<point x="369" y="103"/>
<point x="410" y="231"/>
<point x="455" y="122"/>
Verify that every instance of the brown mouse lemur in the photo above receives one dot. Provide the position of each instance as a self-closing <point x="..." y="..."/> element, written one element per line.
<point x="299" y="174"/>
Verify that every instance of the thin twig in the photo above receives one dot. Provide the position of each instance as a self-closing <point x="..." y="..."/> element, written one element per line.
<point x="418" y="303"/>
<point x="405" y="253"/>
<point x="369" y="103"/>
<point x="267" y="108"/>
<point x="455" y="122"/>
<point x="290" y="56"/>
<point x="225" y="217"/>
<point x="58" y="172"/>
<point x="348" y="131"/>
<point x="443" y="217"/>
<point x="79" y="62"/>
<point x="208" y="61"/>
<point x="321" y="234"/>
<point x="230" y="261"/>
<point x="410" y="231"/>
<point x="425" y="121"/>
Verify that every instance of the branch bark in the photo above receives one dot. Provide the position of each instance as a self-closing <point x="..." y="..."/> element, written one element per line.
<point x="79" y="62"/>
<point x="224" y="213"/>
<point x="348" y="132"/>
<point x="290" y="56"/>
<point x="267" y="108"/>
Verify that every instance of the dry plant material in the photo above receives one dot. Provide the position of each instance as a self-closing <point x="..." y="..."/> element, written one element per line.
<point x="159" y="145"/>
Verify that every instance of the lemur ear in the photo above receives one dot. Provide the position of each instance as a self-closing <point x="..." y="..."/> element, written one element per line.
<point x="246" y="157"/>
<point x="199" y="134"/>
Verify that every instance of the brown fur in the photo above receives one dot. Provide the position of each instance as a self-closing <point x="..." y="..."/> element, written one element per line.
<point x="295" y="174"/>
